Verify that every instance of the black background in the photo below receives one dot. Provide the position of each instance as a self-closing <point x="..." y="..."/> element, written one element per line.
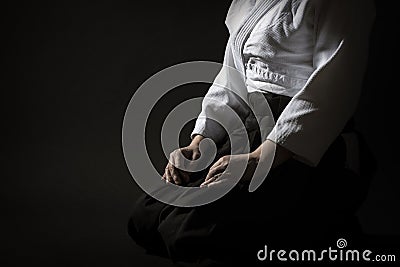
<point x="71" y="68"/>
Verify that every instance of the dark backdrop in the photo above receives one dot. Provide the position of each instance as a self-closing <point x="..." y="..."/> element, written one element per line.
<point x="71" y="68"/>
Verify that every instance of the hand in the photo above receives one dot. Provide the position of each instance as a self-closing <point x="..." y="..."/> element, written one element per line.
<point x="214" y="175"/>
<point x="172" y="172"/>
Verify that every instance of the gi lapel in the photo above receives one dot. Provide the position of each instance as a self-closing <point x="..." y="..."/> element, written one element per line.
<point x="243" y="32"/>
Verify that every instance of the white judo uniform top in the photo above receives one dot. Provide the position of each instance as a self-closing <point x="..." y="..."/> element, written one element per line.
<point x="314" y="51"/>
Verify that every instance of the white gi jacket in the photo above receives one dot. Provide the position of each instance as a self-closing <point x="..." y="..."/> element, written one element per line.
<point x="314" y="51"/>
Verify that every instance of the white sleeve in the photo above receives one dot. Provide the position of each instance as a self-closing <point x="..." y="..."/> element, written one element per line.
<point x="228" y="92"/>
<point x="318" y="113"/>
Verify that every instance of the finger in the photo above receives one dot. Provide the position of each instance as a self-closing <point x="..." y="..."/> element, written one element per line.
<point x="164" y="176"/>
<point x="175" y="175"/>
<point x="168" y="175"/>
<point x="215" y="165"/>
<point x="227" y="179"/>
<point x="213" y="173"/>
<point x="207" y="182"/>
<point x="212" y="179"/>
<point x="195" y="156"/>
<point x="177" y="160"/>
<point x="214" y="170"/>
<point x="216" y="182"/>
<point x="174" y="171"/>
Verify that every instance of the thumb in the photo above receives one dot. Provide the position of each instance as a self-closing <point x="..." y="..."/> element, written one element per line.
<point x="195" y="155"/>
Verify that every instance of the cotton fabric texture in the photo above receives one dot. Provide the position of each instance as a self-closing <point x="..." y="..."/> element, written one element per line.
<point x="311" y="50"/>
<point x="307" y="58"/>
